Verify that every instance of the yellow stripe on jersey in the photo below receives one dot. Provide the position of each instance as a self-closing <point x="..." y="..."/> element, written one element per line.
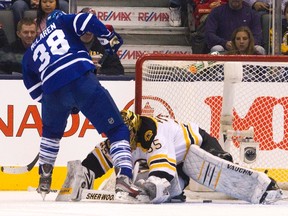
<point x="195" y="137"/>
<point x="161" y="161"/>
<point x="186" y="138"/>
<point x="105" y="166"/>
<point x="188" y="135"/>
<point x="162" y="165"/>
<point x="161" y="156"/>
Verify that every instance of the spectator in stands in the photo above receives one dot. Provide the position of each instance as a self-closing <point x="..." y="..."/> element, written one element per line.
<point x="224" y="19"/>
<point x="175" y="13"/>
<point x="105" y="63"/>
<point x="284" y="45"/>
<point x="44" y="9"/>
<point x="26" y="33"/>
<point x="203" y="8"/>
<point x="243" y="42"/>
<point x="3" y="37"/>
<point x="20" y="6"/>
<point x="264" y="9"/>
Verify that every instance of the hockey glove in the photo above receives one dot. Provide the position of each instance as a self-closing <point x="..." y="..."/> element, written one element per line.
<point x="111" y="42"/>
<point x="117" y="42"/>
<point x="157" y="188"/>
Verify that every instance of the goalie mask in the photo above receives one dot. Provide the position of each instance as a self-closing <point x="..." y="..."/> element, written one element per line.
<point x="133" y="123"/>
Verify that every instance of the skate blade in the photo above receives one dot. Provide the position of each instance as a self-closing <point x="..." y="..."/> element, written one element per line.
<point x="43" y="195"/>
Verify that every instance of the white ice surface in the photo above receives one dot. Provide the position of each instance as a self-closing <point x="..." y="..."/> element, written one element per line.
<point x="31" y="204"/>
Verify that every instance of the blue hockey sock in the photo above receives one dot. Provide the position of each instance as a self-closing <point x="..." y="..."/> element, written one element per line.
<point x="121" y="157"/>
<point x="48" y="151"/>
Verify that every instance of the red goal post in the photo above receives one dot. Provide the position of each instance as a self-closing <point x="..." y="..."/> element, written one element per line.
<point x="253" y="91"/>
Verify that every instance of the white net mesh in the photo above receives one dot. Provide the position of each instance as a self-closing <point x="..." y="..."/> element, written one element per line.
<point x="192" y="90"/>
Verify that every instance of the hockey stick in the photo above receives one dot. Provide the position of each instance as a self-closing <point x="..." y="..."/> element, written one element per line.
<point x="197" y="67"/>
<point x="20" y="169"/>
<point x="99" y="196"/>
<point x="135" y="171"/>
<point x="110" y="196"/>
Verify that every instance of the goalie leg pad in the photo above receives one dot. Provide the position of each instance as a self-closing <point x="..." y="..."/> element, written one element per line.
<point x="223" y="176"/>
<point x="78" y="178"/>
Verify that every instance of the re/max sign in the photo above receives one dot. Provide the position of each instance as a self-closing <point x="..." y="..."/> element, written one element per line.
<point x="140" y="16"/>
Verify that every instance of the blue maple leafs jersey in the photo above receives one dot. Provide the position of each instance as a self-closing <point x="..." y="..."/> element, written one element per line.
<point x="57" y="56"/>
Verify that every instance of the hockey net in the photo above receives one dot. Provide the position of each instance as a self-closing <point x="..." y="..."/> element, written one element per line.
<point x="192" y="88"/>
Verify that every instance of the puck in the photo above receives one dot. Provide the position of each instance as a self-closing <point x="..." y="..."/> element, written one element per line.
<point x="207" y="201"/>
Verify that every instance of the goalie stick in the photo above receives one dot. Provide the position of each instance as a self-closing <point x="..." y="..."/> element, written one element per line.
<point x="20" y="169"/>
<point x="106" y="196"/>
<point x="97" y="196"/>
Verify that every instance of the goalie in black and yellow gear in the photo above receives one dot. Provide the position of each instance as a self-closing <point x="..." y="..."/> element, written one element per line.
<point x="175" y="152"/>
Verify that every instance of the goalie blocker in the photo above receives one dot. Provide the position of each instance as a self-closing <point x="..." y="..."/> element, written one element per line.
<point x="222" y="176"/>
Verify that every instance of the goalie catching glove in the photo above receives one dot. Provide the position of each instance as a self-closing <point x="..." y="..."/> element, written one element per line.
<point x="157" y="188"/>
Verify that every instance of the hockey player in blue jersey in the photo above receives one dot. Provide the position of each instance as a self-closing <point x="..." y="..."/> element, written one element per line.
<point x="58" y="72"/>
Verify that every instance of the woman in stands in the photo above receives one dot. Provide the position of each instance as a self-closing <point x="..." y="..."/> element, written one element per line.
<point x="44" y="9"/>
<point x="243" y="42"/>
<point x="19" y="7"/>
